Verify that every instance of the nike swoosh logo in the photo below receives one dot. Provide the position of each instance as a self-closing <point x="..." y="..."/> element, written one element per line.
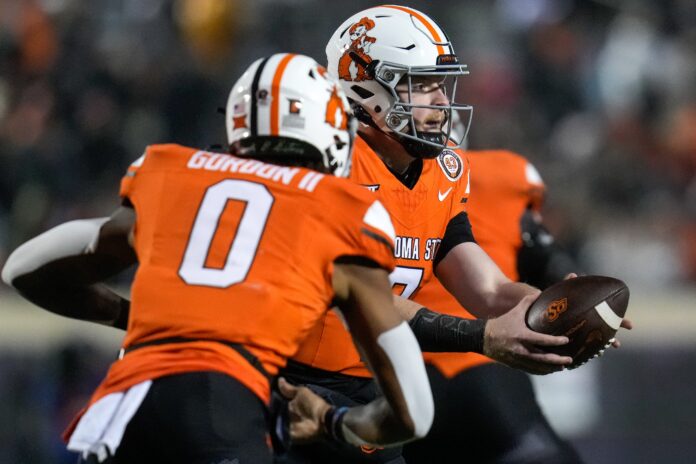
<point x="442" y="196"/>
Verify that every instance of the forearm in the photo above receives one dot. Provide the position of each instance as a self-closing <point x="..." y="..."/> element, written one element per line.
<point x="438" y="332"/>
<point x="374" y="423"/>
<point x="60" y="271"/>
<point x="392" y="352"/>
<point x="507" y="295"/>
<point x="477" y="283"/>
<point x="94" y="303"/>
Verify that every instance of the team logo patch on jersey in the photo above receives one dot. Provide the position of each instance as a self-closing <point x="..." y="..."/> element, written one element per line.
<point x="451" y="164"/>
<point x="371" y="188"/>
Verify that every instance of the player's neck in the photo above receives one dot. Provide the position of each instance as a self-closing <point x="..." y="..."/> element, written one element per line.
<point x="391" y="152"/>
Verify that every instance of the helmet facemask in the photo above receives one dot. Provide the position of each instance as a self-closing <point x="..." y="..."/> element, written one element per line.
<point x="427" y="137"/>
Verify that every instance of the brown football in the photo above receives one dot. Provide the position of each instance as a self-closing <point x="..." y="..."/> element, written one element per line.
<point x="588" y="310"/>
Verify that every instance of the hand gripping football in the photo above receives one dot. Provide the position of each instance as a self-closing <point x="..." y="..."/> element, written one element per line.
<point x="588" y="310"/>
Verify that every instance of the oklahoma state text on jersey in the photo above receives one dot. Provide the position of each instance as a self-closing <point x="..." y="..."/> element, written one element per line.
<point x="420" y="217"/>
<point x="228" y="249"/>
<point x="503" y="186"/>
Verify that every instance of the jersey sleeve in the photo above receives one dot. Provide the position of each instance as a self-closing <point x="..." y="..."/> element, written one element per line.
<point x="362" y="227"/>
<point x="462" y="188"/>
<point x="377" y="235"/>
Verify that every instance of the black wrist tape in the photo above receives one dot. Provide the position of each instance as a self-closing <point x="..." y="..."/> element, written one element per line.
<point x="438" y="332"/>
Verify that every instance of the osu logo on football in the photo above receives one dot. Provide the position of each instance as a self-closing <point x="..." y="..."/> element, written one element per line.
<point x="358" y="52"/>
<point x="555" y="309"/>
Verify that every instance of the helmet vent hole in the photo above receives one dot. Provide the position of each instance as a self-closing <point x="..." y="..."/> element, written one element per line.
<point x="363" y="92"/>
<point x="378" y="109"/>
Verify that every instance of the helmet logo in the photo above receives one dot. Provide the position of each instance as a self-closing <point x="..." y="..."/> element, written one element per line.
<point x="239" y="117"/>
<point x="294" y="117"/>
<point x="335" y="105"/>
<point x="358" y="52"/>
<point x="239" y="122"/>
<point x="294" y="106"/>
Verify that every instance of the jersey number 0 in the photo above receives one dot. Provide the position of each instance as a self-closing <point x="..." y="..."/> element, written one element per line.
<point x="258" y="201"/>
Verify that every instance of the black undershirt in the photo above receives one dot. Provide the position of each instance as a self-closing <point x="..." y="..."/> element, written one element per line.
<point x="411" y="175"/>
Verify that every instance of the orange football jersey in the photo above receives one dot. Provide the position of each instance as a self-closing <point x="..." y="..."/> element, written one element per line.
<point x="420" y="217"/>
<point x="238" y="250"/>
<point x="503" y="186"/>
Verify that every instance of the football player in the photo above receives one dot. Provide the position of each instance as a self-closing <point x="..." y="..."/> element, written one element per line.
<point x="230" y="280"/>
<point x="503" y="422"/>
<point x="403" y="94"/>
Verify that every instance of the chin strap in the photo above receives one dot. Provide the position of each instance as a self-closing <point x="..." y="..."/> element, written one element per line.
<point x="420" y="149"/>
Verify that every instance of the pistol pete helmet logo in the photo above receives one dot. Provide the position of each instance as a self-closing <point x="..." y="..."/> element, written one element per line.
<point x="555" y="309"/>
<point x="359" y="47"/>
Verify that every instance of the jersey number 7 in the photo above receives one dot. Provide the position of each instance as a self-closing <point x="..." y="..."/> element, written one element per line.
<point x="407" y="277"/>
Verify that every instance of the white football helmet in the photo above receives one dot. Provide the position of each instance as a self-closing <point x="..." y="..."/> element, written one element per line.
<point x="380" y="47"/>
<point x="287" y="107"/>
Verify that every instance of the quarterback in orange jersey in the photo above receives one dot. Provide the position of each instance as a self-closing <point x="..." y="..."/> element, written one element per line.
<point x="405" y="106"/>
<point x="502" y="415"/>
<point x="230" y="280"/>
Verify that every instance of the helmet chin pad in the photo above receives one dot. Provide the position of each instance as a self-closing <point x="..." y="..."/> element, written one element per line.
<point x="420" y="148"/>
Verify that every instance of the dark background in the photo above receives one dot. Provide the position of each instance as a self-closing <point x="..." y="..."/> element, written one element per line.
<point x="599" y="95"/>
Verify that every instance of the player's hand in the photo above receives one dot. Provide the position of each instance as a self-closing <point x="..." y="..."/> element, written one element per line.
<point x="508" y="340"/>
<point x="306" y="410"/>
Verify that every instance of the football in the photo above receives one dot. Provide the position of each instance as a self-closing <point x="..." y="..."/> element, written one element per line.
<point x="588" y="310"/>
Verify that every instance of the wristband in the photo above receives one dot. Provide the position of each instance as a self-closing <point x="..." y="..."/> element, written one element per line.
<point x="333" y="421"/>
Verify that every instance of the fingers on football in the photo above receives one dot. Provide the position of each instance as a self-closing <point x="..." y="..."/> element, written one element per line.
<point x="627" y="324"/>
<point x="550" y="358"/>
<point x="540" y="339"/>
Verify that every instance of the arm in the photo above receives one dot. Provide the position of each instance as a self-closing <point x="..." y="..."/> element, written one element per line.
<point x="504" y="338"/>
<point x="469" y="274"/>
<point x="61" y="269"/>
<point x="406" y="410"/>
<point x="391" y="350"/>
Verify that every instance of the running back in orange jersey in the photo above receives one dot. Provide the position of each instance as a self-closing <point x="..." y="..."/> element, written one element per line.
<point x="503" y="186"/>
<point x="238" y="250"/>
<point x="420" y="216"/>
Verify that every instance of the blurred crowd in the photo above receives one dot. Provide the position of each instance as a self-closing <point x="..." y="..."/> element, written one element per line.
<point x="599" y="95"/>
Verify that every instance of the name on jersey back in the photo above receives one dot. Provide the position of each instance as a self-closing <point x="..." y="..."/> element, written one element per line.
<point x="227" y="163"/>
